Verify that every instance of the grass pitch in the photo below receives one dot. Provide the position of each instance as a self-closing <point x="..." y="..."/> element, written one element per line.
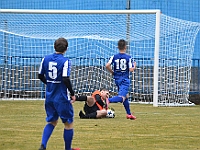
<point x="162" y="128"/>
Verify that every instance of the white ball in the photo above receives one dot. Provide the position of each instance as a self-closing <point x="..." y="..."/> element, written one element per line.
<point x="110" y="113"/>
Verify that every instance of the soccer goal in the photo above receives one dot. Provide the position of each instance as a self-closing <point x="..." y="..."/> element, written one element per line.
<point x="161" y="45"/>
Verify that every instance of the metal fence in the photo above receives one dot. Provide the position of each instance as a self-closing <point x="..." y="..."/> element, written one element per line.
<point x="23" y="80"/>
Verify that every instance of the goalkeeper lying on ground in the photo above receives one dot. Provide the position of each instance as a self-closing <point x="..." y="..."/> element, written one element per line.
<point x="95" y="106"/>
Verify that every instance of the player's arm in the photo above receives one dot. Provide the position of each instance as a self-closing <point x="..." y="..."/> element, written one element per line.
<point x="41" y="75"/>
<point x="67" y="82"/>
<point x="132" y="65"/>
<point x="66" y="77"/>
<point x="42" y="78"/>
<point x="108" y="65"/>
<point x="99" y="100"/>
<point x="81" y="98"/>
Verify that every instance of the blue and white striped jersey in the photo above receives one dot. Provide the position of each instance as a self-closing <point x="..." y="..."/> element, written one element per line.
<point x="121" y="63"/>
<point x="54" y="67"/>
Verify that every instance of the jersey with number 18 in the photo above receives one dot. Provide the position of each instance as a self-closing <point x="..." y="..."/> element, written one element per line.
<point x="121" y="63"/>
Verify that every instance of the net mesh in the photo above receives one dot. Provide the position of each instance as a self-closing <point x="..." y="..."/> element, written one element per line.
<point x="27" y="38"/>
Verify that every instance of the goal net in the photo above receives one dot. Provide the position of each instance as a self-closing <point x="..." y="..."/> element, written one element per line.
<point x="163" y="57"/>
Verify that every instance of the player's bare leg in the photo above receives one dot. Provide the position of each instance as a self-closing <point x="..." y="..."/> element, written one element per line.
<point x="101" y="113"/>
<point x="90" y="101"/>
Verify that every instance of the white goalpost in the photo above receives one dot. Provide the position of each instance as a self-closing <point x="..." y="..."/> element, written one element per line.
<point x="161" y="45"/>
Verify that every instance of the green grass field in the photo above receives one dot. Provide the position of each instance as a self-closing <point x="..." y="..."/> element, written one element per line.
<point x="162" y="128"/>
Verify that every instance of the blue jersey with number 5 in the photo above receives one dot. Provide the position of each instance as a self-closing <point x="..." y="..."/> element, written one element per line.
<point x="121" y="63"/>
<point x="54" y="67"/>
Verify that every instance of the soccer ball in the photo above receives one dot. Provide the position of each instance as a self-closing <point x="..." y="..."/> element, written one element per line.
<point x="110" y="113"/>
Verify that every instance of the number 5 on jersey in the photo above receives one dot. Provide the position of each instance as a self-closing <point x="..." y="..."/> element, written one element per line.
<point x="52" y="70"/>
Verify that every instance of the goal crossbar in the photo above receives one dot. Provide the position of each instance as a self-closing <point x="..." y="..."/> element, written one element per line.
<point x="39" y="11"/>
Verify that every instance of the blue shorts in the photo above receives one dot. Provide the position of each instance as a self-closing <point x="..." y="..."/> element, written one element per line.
<point x="123" y="86"/>
<point x="64" y="110"/>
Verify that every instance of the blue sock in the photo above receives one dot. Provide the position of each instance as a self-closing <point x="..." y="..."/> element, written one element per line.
<point x="68" y="136"/>
<point x="48" y="129"/>
<point x="127" y="106"/>
<point x="116" y="99"/>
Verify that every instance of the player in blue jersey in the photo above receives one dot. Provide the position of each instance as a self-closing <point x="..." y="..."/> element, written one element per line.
<point x="122" y="64"/>
<point x="55" y="72"/>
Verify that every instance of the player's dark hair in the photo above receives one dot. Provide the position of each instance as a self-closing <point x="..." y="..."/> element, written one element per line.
<point x="103" y="89"/>
<point x="60" y="45"/>
<point x="121" y="44"/>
